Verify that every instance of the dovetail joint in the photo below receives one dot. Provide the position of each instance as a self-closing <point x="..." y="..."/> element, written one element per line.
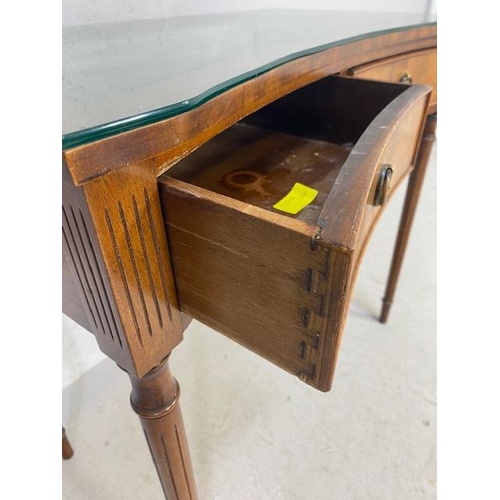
<point x="312" y="314"/>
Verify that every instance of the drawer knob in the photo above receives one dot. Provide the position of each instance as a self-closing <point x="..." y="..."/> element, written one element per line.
<point x="406" y="78"/>
<point x="383" y="185"/>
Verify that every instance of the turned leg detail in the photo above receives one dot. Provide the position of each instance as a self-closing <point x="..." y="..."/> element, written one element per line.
<point x="155" y="398"/>
<point x="410" y="206"/>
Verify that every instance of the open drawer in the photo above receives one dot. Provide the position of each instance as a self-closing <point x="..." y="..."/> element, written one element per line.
<point x="275" y="282"/>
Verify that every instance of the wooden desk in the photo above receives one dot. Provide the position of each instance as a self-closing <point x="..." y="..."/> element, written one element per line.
<point x="146" y="102"/>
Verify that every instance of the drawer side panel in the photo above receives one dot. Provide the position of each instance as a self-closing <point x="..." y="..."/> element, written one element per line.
<point x="258" y="283"/>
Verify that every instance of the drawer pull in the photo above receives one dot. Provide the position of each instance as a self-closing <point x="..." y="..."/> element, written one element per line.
<point x="383" y="185"/>
<point x="406" y="78"/>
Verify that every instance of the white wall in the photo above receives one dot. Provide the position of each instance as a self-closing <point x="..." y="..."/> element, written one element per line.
<point x="104" y="11"/>
<point x="183" y="8"/>
<point x="94" y="11"/>
<point x="80" y="351"/>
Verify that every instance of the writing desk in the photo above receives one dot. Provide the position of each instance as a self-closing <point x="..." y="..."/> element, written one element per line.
<point x="152" y="110"/>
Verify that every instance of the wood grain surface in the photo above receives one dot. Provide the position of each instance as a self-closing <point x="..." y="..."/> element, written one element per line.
<point x="418" y="67"/>
<point x="276" y="283"/>
<point x="167" y="141"/>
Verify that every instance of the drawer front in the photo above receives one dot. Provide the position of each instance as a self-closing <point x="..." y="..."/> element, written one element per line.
<point x="413" y="68"/>
<point x="279" y="284"/>
<point x="394" y="165"/>
<point x="391" y="142"/>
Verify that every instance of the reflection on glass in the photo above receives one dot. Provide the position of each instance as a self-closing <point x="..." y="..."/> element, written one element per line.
<point x="118" y="76"/>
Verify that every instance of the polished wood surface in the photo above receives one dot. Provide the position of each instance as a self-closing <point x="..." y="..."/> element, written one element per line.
<point x="120" y="241"/>
<point x="123" y="75"/>
<point x="120" y="261"/>
<point x="163" y="144"/>
<point x="298" y="271"/>
<point x="409" y="209"/>
<point x="155" y="399"/>
<point x="116" y="249"/>
<point x="412" y="68"/>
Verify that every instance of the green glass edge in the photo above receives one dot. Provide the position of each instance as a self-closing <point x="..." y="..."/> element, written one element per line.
<point x="85" y="136"/>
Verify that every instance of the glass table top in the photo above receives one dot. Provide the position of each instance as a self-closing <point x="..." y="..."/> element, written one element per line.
<point x="120" y="76"/>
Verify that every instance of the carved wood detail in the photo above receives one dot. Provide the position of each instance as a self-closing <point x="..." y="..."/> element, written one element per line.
<point x="84" y="258"/>
<point x="161" y="420"/>
<point x="134" y="247"/>
<point x="82" y="254"/>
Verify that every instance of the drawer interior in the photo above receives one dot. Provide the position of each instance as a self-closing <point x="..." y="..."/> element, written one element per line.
<point x="303" y="137"/>
<point x="275" y="282"/>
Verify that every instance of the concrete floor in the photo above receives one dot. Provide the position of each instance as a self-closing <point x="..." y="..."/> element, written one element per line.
<point x="257" y="433"/>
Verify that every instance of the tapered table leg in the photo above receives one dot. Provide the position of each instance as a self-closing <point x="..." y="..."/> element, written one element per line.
<point x="155" y="398"/>
<point x="67" y="450"/>
<point x="410" y="206"/>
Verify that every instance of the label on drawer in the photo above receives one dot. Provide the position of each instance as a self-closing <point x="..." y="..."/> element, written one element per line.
<point x="298" y="198"/>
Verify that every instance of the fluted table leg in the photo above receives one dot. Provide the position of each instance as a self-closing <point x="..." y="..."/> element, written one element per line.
<point x="155" y="398"/>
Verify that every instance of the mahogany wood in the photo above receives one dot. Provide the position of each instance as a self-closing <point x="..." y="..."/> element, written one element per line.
<point x="116" y="250"/>
<point x="126" y="213"/>
<point x="409" y="209"/>
<point x="72" y="304"/>
<point x="303" y="265"/>
<point x="90" y="277"/>
<point x="166" y="142"/>
<point x="155" y="398"/>
<point x="417" y="67"/>
<point x="118" y="280"/>
<point x="67" y="450"/>
<point x="258" y="167"/>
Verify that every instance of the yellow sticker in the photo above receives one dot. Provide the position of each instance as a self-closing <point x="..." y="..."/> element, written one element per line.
<point x="298" y="198"/>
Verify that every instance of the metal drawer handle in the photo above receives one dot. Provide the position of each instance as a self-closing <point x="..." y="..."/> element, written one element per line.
<point x="383" y="185"/>
<point x="406" y="78"/>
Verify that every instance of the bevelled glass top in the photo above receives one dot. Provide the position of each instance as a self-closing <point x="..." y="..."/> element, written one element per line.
<point x="119" y="76"/>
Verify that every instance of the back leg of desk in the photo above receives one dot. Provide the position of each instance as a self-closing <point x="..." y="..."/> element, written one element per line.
<point x="410" y="206"/>
<point x="67" y="450"/>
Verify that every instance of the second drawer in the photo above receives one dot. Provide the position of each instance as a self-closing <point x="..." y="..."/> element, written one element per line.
<point x="419" y="67"/>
